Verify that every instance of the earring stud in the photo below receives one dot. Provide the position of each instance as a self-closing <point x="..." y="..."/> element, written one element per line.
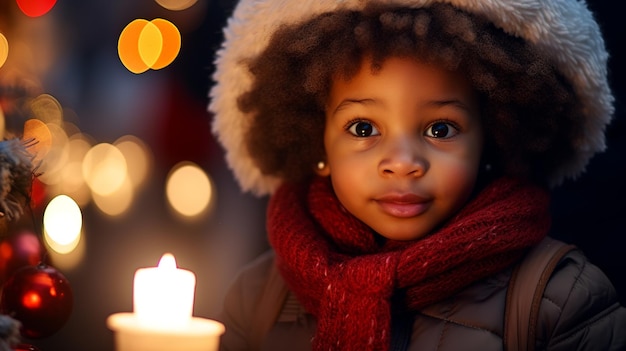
<point x="321" y="165"/>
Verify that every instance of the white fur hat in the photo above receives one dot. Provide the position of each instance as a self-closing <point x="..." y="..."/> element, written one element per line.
<point x="564" y="29"/>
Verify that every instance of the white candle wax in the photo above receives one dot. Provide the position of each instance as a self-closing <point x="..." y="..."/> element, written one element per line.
<point x="201" y="334"/>
<point x="163" y="296"/>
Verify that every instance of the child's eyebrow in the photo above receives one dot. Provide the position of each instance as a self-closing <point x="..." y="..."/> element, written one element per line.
<point x="434" y="103"/>
<point x="450" y="102"/>
<point x="346" y="102"/>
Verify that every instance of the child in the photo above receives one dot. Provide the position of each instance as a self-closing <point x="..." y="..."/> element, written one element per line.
<point x="409" y="147"/>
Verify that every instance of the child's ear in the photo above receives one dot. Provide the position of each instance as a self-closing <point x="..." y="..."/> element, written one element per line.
<point x="322" y="169"/>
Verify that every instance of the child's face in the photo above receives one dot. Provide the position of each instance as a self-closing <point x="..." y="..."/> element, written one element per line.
<point x="403" y="146"/>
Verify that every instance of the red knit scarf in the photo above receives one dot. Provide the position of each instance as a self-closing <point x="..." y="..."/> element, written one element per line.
<point x="339" y="272"/>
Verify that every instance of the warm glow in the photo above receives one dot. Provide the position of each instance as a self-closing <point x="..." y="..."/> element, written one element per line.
<point x="188" y="189"/>
<point x="35" y="8"/>
<point x="57" y="156"/>
<point x="2" y="123"/>
<point x="167" y="261"/>
<point x="4" y="49"/>
<point x="70" y="177"/>
<point x="38" y="131"/>
<point x="171" y="42"/>
<point x="138" y="158"/>
<point x="61" y="247"/>
<point x="66" y="257"/>
<point x="62" y="221"/>
<point x="73" y="181"/>
<point x="176" y="5"/>
<point x="31" y="300"/>
<point x="47" y="108"/>
<point x="148" y="44"/>
<point x="128" y="47"/>
<point x="104" y="169"/>
<point x="117" y="202"/>
<point x="163" y="296"/>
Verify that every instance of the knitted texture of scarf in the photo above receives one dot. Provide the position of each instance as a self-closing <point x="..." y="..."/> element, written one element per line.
<point x="338" y="271"/>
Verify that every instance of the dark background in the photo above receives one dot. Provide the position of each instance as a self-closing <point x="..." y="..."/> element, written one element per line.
<point x="590" y="211"/>
<point x="167" y="109"/>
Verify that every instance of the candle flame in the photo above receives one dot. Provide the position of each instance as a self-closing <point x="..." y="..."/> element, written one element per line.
<point x="167" y="261"/>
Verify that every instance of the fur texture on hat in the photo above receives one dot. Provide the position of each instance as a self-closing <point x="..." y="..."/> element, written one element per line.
<point x="563" y="29"/>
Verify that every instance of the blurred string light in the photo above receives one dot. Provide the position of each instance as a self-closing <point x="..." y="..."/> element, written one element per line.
<point x="189" y="190"/>
<point x="62" y="223"/>
<point x="71" y="181"/>
<point x="66" y="259"/>
<point x="176" y="5"/>
<point x="47" y="108"/>
<point x="76" y="171"/>
<point x="35" y="8"/>
<point x="51" y="166"/>
<point x="108" y="174"/>
<point x="138" y="158"/>
<point x="117" y="202"/>
<point x="37" y="130"/>
<point x="3" y="122"/>
<point x="144" y="44"/>
<point x="4" y="49"/>
<point x="137" y="162"/>
<point x="104" y="169"/>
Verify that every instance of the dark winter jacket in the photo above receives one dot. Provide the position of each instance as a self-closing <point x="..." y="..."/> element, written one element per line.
<point x="579" y="311"/>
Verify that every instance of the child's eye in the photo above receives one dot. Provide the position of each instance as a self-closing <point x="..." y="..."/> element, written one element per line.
<point x="363" y="129"/>
<point x="441" y="130"/>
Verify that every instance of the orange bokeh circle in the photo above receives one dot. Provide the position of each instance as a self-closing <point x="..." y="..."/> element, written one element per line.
<point x="144" y="45"/>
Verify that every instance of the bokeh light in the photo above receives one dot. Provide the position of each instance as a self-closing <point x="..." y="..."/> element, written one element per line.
<point x="176" y="5"/>
<point x="128" y="47"/>
<point x="57" y="156"/>
<point x="71" y="175"/>
<point x="4" y="49"/>
<point x="47" y="108"/>
<point x="104" y="169"/>
<point x="35" y="8"/>
<point x="38" y="131"/>
<point x="189" y="189"/>
<point x="115" y="203"/>
<point x="3" y="123"/>
<point x="148" y="44"/>
<point x="171" y="42"/>
<point x="61" y="247"/>
<point x="65" y="259"/>
<point x="62" y="222"/>
<point x="138" y="158"/>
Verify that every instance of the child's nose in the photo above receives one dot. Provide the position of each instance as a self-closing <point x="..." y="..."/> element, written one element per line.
<point x="404" y="157"/>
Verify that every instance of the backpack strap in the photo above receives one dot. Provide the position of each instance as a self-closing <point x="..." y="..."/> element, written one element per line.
<point x="525" y="291"/>
<point x="269" y="307"/>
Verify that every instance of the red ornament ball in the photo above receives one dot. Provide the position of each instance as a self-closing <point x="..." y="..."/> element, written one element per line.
<point x="40" y="297"/>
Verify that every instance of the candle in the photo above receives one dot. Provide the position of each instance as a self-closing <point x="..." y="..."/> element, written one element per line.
<point x="163" y="296"/>
<point x="162" y="319"/>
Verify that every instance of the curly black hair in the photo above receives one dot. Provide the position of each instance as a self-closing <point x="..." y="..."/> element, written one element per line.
<point x="529" y="111"/>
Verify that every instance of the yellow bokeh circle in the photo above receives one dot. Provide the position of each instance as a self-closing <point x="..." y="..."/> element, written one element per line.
<point x="4" y="49"/>
<point x="144" y="44"/>
<point x="189" y="190"/>
<point x="176" y="5"/>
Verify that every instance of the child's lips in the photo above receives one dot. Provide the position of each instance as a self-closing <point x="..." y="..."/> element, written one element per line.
<point x="403" y="205"/>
